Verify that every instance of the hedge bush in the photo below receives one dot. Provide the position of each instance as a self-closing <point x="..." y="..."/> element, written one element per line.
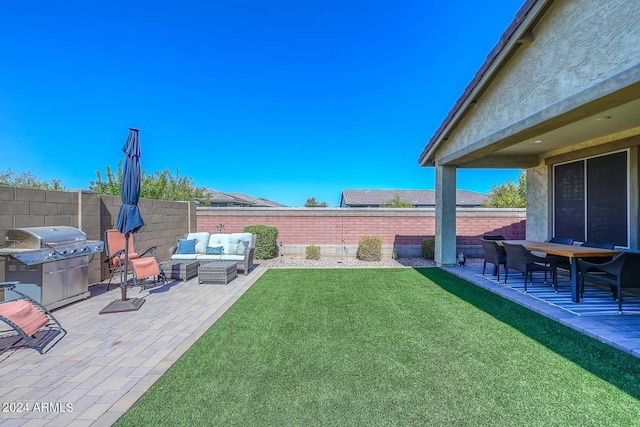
<point x="429" y="248"/>
<point x="312" y="252"/>
<point x="369" y="248"/>
<point x="266" y="241"/>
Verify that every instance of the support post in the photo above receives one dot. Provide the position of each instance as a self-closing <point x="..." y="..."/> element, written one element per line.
<point x="445" y="247"/>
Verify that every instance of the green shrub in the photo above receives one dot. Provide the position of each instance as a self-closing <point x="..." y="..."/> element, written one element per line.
<point x="369" y="248"/>
<point x="429" y="248"/>
<point x="312" y="252"/>
<point x="266" y="240"/>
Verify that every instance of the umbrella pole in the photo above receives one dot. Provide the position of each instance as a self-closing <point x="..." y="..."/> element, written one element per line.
<point x="126" y="265"/>
<point x="124" y="304"/>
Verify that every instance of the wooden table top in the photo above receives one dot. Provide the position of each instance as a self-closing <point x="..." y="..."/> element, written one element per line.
<point x="562" y="250"/>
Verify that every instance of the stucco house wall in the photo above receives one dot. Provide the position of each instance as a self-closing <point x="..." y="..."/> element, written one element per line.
<point x="558" y="68"/>
<point x="568" y="55"/>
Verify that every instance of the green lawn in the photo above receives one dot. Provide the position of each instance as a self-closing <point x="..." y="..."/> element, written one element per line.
<point x="353" y="347"/>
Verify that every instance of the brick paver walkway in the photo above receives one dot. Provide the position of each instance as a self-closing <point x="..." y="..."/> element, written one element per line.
<point x="106" y="362"/>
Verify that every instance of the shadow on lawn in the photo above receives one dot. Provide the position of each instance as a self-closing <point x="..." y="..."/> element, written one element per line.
<point x="610" y="364"/>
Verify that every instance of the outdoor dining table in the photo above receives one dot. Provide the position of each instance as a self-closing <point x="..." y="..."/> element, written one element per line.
<point x="569" y="251"/>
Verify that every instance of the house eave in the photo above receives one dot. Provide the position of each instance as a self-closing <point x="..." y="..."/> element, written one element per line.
<point x="517" y="33"/>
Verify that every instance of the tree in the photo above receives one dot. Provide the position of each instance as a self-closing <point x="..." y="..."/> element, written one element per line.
<point x="112" y="186"/>
<point x="160" y="185"/>
<point x="396" y="202"/>
<point x="313" y="203"/>
<point x="28" y="180"/>
<point x="509" y="194"/>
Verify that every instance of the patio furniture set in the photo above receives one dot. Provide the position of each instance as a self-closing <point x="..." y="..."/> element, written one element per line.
<point x="595" y="261"/>
<point x="214" y="258"/>
<point x="32" y="324"/>
<point x="214" y="272"/>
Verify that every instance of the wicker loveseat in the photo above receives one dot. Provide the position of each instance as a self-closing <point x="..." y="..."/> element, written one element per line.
<point x="228" y="247"/>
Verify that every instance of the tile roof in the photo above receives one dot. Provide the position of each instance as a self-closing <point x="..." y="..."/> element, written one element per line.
<point x="218" y="197"/>
<point x="257" y="201"/>
<point x="373" y="198"/>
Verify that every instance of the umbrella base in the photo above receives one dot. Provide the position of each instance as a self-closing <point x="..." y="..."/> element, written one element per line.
<point x="117" y="306"/>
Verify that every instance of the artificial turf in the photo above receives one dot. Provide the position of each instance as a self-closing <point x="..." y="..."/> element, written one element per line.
<point x="389" y="347"/>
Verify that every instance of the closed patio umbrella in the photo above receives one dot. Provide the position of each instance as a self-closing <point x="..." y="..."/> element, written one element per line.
<point x="129" y="218"/>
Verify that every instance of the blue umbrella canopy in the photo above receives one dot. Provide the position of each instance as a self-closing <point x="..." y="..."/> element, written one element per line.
<point x="129" y="218"/>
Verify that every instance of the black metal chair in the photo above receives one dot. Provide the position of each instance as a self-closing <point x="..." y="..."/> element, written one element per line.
<point x="623" y="271"/>
<point x="493" y="237"/>
<point x="599" y="245"/>
<point x="493" y="254"/>
<point x="561" y="240"/>
<point x="521" y="259"/>
<point x="559" y="261"/>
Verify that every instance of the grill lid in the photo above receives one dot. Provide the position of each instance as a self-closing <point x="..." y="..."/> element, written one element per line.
<point x="40" y="237"/>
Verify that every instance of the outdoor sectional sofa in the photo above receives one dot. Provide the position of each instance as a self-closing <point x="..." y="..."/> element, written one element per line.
<point x="228" y="247"/>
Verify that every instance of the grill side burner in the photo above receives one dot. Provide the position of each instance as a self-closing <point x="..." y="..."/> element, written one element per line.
<point x="52" y="263"/>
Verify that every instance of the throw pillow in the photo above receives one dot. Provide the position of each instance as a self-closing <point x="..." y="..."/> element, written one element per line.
<point x="241" y="249"/>
<point x="214" y="250"/>
<point x="186" y="246"/>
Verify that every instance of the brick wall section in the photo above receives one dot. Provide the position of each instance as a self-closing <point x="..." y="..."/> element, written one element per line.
<point x="93" y="213"/>
<point x="345" y="226"/>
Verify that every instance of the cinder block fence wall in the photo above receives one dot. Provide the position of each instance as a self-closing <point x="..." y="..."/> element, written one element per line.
<point x="338" y="230"/>
<point x="93" y="213"/>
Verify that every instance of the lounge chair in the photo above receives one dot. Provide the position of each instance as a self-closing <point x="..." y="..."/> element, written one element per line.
<point x="141" y="267"/>
<point x="30" y="322"/>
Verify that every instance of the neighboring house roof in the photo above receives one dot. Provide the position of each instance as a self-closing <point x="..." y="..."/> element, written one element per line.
<point x="419" y="198"/>
<point x="239" y="199"/>
<point x="257" y="201"/>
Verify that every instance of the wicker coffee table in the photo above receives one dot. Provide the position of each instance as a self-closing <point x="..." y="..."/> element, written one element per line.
<point x="180" y="269"/>
<point x="220" y="272"/>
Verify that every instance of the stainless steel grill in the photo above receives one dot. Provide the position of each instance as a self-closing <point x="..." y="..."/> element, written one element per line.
<point x="52" y="263"/>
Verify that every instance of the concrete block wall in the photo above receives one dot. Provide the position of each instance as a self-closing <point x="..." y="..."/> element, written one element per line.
<point x="338" y="230"/>
<point x="93" y="213"/>
<point x="165" y="222"/>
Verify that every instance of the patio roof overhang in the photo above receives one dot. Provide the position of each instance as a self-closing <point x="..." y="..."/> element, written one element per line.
<point x="606" y="111"/>
<point x="600" y="114"/>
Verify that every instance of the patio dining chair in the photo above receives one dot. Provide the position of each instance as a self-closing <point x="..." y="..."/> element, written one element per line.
<point x="493" y="237"/>
<point x="561" y="240"/>
<point x="30" y="322"/>
<point x="599" y="245"/>
<point x="521" y="259"/>
<point x="140" y="265"/>
<point x="493" y="254"/>
<point x="620" y="272"/>
<point x="559" y="261"/>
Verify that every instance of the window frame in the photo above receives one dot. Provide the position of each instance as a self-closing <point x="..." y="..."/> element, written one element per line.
<point x="584" y="161"/>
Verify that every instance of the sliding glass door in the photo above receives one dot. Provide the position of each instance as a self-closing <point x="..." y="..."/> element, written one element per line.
<point x="591" y="199"/>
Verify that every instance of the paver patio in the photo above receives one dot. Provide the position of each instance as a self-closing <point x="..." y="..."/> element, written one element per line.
<point x="106" y="362"/>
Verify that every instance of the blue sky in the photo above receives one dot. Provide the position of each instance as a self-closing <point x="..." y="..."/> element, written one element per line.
<point x="281" y="99"/>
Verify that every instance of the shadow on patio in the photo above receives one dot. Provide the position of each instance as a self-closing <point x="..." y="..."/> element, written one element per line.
<point x="599" y="363"/>
<point x="596" y="316"/>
